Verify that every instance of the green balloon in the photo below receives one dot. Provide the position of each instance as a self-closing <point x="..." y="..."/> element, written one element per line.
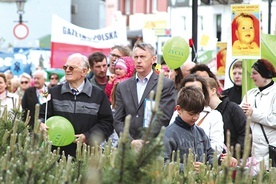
<point x="60" y="132"/>
<point x="175" y="52"/>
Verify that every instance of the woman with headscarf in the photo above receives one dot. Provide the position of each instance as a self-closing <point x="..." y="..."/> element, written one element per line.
<point x="260" y="104"/>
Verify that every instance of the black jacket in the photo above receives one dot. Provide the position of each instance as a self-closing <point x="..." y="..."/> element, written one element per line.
<point x="234" y="94"/>
<point x="28" y="103"/>
<point x="235" y="121"/>
<point x="89" y="112"/>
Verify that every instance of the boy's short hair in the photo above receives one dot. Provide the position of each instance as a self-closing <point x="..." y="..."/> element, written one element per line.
<point x="191" y="99"/>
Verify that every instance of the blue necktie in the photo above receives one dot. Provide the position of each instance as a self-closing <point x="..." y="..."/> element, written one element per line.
<point x="75" y="92"/>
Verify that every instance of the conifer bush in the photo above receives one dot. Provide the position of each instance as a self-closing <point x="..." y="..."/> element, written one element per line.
<point x="26" y="157"/>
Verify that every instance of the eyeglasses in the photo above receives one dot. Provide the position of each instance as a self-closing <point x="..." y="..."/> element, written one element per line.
<point x="55" y="78"/>
<point x="71" y="68"/>
<point x="24" y="82"/>
<point x="114" y="55"/>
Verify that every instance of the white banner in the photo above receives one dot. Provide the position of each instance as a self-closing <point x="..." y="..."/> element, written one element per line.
<point x="68" y="38"/>
<point x="65" y="32"/>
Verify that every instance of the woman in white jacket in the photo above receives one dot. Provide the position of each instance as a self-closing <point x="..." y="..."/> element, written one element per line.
<point x="7" y="99"/>
<point x="209" y="120"/>
<point x="260" y="104"/>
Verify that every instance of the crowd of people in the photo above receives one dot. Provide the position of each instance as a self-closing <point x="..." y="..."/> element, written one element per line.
<point x="196" y="111"/>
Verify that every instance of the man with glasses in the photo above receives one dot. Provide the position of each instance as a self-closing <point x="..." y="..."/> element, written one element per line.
<point x="132" y="94"/>
<point x="116" y="52"/>
<point x="84" y="105"/>
<point x="53" y="80"/>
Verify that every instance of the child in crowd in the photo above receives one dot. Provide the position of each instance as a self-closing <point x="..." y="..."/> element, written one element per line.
<point x="209" y="120"/>
<point x="124" y="69"/>
<point x="235" y="93"/>
<point x="183" y="134"/>
<point x="245" y="32"/>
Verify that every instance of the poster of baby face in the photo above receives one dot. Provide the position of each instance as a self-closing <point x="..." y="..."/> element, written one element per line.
<point x="221" y="58"/>
<point x="246" y="37"/>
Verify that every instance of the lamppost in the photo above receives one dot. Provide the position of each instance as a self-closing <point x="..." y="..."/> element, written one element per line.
<point x="20" y="9"/>
<point x="269" y="15"/>
<point x="194" y="29"/>
<point x="20" y="30"/>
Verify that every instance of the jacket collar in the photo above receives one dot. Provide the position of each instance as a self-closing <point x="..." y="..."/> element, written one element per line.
<point x="222" y="106"/>
<point x="87" y="88"/>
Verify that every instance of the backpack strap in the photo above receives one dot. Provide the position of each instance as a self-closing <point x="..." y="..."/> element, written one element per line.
<point x="199" y="123"/>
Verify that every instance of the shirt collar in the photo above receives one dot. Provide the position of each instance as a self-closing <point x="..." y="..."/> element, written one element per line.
<point x="80" y="88"/>
<point x="146" y="78"/>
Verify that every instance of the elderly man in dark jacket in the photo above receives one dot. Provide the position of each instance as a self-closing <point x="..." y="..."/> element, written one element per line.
<point x="84" y="105"/>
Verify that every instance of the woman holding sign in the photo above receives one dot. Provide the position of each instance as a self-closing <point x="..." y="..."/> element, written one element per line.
<point x="260" y="104"/>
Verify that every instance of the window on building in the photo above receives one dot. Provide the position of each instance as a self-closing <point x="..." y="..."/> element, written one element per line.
<point x="201" y="22"/>
<point x="206" y="1"/>
<point x="127" y="7"/>
<point x="184" y="23"/>
<point x="154" y="5"/>
<point x="218" y="26"/>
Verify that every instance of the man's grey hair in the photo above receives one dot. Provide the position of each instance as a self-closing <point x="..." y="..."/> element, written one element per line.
<point x="40" y="72"/>
<point x="85" y="63"/>
<point x="145" y="46"/>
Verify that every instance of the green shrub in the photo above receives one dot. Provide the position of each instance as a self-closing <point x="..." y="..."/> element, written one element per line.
<point x="26" y="157"/>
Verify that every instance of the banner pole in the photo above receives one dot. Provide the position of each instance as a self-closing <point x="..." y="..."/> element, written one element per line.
<point x="245" y="79"/>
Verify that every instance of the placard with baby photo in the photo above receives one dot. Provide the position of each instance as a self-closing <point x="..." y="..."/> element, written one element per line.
<point x="246" y="37"/>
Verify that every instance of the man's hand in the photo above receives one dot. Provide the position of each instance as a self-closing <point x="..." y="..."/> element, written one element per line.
<point x="43" y="127"/>
<point x="80" y="137"/>
<point x="137" y="145"/>
<point x="197" y="166"/>
<point x="233" y="161"/>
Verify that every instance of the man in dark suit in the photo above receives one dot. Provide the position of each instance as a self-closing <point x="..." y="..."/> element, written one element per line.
<point x="132" y="93"/>
<point x="33" y="95"/>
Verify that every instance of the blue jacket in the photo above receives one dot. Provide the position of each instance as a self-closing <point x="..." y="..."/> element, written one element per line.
<point x="181" y="136"/>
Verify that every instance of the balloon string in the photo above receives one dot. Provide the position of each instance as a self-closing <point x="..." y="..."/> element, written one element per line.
<point x="45" y="118"/>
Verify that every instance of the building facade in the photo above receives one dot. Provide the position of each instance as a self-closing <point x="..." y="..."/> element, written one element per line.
<point x="147" y="19"/>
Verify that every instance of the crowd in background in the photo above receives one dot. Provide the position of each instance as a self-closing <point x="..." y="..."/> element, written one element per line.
<point x="99" y="92"/>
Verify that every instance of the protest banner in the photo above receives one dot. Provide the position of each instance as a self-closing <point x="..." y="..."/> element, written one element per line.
<point x="68" y="38"/>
